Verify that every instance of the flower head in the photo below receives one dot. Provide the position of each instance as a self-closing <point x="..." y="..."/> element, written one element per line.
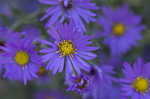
<point x="122" y="28"/>
<point x="101" y="79"/>
<point x="7" y="35"/>
<point x="78" y="83"/>
<point x="74" y="10"/>
<point x="20" y="60"/>
<point x="31" y="32"/>
<point x="70" y="48"/>
<point x="136" y="82"/>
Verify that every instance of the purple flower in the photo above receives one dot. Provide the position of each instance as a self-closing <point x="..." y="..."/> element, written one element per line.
<point x="31" y="32"/>
<point x="135" y="83"/>
<point x="70" y="49"/>
<point x="79" y="83"/>
<point x="20" y="60"/>
<point x="74" y="10"/>
<point x="113" y="60"/>
<point x="114" y="93"/>
<point x="100" y="79"/>
<point x="122" y="28"/>
<point x="7" y="35"/>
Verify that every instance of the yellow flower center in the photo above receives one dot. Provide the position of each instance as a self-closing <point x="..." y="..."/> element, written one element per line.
<point x="141" y="84"/>
<point x="118" y="29"/>
<point x="21" y="58"/>
<point x="83" y="85"/>
<point x="42" y="71"/>
<point x="66" y="48"/>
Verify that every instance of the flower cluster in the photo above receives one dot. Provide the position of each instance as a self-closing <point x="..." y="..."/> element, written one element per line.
<point x="122" y="28"/>
<point x="70" y="50"/>
<point x="74" y="10"/>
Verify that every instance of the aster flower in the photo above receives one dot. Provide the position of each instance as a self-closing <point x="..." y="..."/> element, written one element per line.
<point x="100" y="79"/>
<point x="79" y="83"/>
<point x="122" y="28"/>
<point x="114" y="93"/>
<point x="135" y="83"/>
<point x="20" y="60"/>
<point x="74" y="10"/>
<point x="7" y="35"/>
<point x="31" y="32"/>
<point x="113" y="60"/>
<point x="70" y="48"/>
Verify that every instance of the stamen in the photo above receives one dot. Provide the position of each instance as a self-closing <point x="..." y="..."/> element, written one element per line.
<point x="66" y="48"/>
<point x="141" y="85"/>
<point x="83" y="85"/>
<point x="118" y="29"/>
<point x="21" y="58"/>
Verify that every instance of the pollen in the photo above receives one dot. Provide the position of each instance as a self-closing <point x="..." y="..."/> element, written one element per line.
<point x="21" y="58"/>
<point x="42" y="71"/>
<point x="83" y="85"/>
<point x="66" y="48"/>
<point x="118" y="29"/>
<point x="141" y="84"/>
<point x="82" y="82"/>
